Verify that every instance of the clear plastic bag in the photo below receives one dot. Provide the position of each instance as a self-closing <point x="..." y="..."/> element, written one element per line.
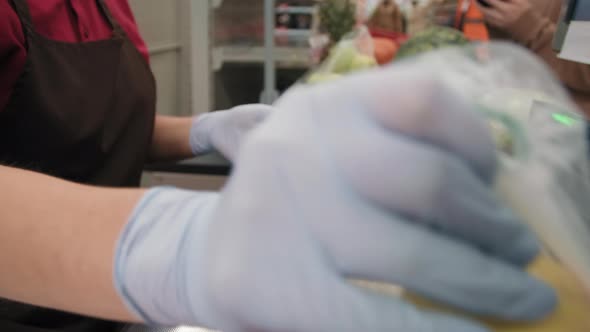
<point x="545" y="174"/>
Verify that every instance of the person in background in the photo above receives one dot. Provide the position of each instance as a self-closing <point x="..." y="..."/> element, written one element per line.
<point x="77" y="101"/>
<point x="532" y="23"/>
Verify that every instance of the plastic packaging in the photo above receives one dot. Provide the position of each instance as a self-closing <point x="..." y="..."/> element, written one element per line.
<point x="545" y="174"/>
<point x="510" y="85"/>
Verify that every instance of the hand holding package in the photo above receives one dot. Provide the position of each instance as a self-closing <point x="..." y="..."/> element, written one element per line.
<point x="384" y="176"/>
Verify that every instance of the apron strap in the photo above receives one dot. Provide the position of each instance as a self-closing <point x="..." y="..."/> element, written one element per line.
<point x="110" y="18"/>
<point x="22" y="10"/>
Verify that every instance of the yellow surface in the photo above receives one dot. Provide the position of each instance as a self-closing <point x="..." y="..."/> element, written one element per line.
<point x="572" y="314"/>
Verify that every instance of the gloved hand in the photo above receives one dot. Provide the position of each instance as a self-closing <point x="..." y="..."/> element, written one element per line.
<point x="224" y="131"/>
<point x="383" y="176"/>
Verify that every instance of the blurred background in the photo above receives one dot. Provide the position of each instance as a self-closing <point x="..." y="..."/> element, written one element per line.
<point x="209" y="54"/>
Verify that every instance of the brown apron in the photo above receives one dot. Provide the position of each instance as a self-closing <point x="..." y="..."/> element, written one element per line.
<point x="82" y="112"/>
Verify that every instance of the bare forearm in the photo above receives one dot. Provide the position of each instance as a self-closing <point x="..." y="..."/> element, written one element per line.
<point x="171" y="138"/>
<point x="57" y="242"/>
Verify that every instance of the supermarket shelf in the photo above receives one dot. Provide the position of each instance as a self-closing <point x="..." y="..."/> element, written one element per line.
<point x="293" y="33"/>
<point x="281" y="10"/>
<point x="307" y="10"/>
<point x="286" y="56"/>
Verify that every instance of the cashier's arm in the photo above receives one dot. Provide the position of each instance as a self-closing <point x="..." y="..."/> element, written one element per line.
<point x="170" y="140"/>
<point x="57" y="241"/>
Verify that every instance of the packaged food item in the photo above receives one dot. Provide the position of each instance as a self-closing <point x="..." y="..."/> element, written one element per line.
<point x="544" y="174"/>
<point x="570" y="316"/>
<point x="538" y="198"/>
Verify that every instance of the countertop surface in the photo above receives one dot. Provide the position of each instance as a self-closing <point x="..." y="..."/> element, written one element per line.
<point x="210" y="164"/>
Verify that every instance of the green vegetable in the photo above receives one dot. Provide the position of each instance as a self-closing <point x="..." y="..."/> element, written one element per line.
<point x="431" y="39"/>
<point x="337" y="18"/>
<point x="363" y="62"/>
<point x="345" y="58"/>
<point x="341" y="58"/>
<point x="322" y="78"/>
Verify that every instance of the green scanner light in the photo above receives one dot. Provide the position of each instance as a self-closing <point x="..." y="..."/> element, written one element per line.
<point x="564" y="119"/>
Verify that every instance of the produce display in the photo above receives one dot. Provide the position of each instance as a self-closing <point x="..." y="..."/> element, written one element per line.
<point x="347" y="57"/>
<point x="385" y="50"/>
<point x="337" y="18"/>
<point x="431" y="39"/>
<point x="343" y="59"/>
<point x="345" y="45"/>
<point x="322" y="78"/>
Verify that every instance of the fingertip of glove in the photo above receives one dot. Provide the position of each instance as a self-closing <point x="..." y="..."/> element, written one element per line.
<point x="538" y="301"/>
<point x="524" y="249"/>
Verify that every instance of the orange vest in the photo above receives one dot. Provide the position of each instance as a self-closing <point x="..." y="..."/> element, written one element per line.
<point x="470" y="20"/>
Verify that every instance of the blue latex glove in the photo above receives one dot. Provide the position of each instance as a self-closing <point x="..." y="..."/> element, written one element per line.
<point x="225" y="131"/>
<point x="384" y="176"/>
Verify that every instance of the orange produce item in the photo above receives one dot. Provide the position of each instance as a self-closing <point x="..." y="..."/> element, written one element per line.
<point x="385" y="50"/>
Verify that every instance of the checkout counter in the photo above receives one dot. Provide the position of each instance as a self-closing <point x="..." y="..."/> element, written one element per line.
<point x="140" y="328"/>
<point x="208" y="173"/>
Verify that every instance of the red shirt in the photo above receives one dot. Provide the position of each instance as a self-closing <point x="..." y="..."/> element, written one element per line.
<point x="62" y="20"/>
